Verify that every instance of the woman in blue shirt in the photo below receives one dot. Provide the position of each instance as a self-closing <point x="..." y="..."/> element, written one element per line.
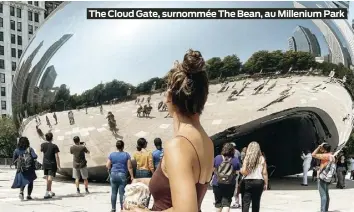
<point x="119" y="165"/>
<point x="24" y="177"/>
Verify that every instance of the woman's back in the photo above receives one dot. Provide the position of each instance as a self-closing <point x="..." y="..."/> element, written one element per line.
<point x="119" y="161"/>
<point x="257" y="171"/>
<point x="199" y="147"/>
<point x="143" y="159"/>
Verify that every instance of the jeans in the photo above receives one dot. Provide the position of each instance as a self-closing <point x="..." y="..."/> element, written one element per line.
<point x="118" y="183"/>
<point x="253" y="190"/>
<point x="341" y="171"/>
<point x="323" y="189"/>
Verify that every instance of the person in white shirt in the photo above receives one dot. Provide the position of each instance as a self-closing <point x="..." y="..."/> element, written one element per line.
<point x="351" y="167"/>
<point x="255" y="181"/>
<point x="306" y="165"/>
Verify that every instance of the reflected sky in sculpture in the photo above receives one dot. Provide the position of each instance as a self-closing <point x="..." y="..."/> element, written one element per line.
<point x="136" y="50"/>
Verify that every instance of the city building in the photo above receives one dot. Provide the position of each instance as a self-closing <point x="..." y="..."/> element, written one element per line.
<point x="48" y="78"/>
<point x="50" y="6"/>
<point x="36" y="72"/>
<point x="306" y="41"/>
<point x="346" y="31"/>
<point x="292" y="44"/>
<point x="334" y="44"/>
<point x="18" y="22"/>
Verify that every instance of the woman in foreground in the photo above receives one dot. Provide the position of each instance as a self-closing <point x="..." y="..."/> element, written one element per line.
<point x="24" y="175"/>
<point x="254" y="170"/>
<point x="181" y="179"/>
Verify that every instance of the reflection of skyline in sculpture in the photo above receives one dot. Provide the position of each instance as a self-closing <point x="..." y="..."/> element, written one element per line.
<point x="345" y="30"/>
<point x="33" y="95"/>
<point x="47" y="93"/>
<point x="292" y="44"/>
<point x="305" y="41"/>
<point x="333" y="42"/>
<point x="21" y="78"/>
<point x="48" y="78"/>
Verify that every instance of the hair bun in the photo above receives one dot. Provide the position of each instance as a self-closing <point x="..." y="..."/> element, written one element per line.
<point x="193" y="62"/>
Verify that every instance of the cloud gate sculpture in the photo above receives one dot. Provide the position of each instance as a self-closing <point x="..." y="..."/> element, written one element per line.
<point x="74" y="64"/>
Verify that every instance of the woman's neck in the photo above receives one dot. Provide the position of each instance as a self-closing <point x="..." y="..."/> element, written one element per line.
<point x="179" y="122"/>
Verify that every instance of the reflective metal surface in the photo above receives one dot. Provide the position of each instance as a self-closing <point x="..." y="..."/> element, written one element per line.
<point x="74" y="65"/>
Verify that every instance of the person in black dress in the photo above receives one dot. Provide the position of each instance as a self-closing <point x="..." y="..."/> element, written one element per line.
<point x="24" y="178"/>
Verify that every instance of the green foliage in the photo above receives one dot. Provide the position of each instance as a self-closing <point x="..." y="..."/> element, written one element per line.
<point x="278" y="61"/>
<point x="8" y="135"/>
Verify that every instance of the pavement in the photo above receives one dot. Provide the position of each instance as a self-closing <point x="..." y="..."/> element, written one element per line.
<point x="217" y="116"/>
<point x="286" y="195"/>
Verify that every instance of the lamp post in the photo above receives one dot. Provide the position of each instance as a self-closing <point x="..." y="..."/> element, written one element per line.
<point x="153" y="87"/>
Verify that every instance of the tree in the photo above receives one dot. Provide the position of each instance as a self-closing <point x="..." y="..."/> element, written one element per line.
<point x="8" y="137"/>
<point x="231" y="66"/>
<point x="213" y="67"/>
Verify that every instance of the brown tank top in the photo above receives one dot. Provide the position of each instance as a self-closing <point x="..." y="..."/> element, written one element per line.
<point x="160" y="188"/>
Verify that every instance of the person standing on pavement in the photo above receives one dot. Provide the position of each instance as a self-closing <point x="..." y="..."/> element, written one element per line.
<point x="323" y="153"/>
<point x="306" y="165"/>
<point x="24" y="156"/>
<point x="158" y="153"/>
<point x="226" y="166"/>
<point x="79" y="164"/>
<point x="238" y="178"/>
<point x="51" y="162"/>
<point x="341" y="171"/>
<point x="254" y="170"/>
<point x="119" y="165"/>
<point x="351" y="167"/>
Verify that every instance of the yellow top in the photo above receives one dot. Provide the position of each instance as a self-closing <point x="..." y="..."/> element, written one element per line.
<point x="143" y="160"/>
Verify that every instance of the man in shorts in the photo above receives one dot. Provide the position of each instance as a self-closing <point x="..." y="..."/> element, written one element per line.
<point x="51" y="162"/>
<point x="78" y="150"/>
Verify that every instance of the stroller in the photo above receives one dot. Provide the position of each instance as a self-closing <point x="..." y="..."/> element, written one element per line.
<point x="271" y="169"/>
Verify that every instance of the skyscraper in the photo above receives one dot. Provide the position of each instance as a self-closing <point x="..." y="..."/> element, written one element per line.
<point x="333" y="42"/>
<point x="18" y="22"/>
<point x="305" y="41"/>
<point x="346" y="31"/>
<point x="292" y="44"/>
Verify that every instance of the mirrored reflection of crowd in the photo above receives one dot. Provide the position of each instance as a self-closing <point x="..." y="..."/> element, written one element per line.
<point x="185" y="165"/>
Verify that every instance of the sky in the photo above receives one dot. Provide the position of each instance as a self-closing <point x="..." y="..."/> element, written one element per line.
<point x="137" y="50"/>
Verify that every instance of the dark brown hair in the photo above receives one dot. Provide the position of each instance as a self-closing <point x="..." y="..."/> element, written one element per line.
<point x="188" y="84"/>
<point x="228" y="150"/>
<point x="120" y="145"/>
<point x="141" y="144"/>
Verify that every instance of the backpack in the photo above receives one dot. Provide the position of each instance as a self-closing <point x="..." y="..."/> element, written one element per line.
<point x="225" y="172"/>
<point x="25" y="161"/>
<point x="328" y="172"/>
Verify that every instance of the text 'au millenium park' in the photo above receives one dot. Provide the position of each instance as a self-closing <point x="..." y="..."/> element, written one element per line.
<point x="217" y="13"/>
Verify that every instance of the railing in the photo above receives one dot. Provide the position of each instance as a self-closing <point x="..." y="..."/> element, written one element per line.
<point x="5" y="161"/>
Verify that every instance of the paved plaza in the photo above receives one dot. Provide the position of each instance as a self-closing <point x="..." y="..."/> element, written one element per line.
<point x="286" y="195"/>
<point x="218" y="115"/>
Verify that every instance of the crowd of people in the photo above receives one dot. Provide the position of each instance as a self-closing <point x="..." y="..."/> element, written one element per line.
<point x="179" y="174"/>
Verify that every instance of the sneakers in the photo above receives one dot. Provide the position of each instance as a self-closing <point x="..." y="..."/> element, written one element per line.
<point x="29" y="198"/>
<point x="87" y="191"/>
<point x="49" y="195"/>
<point x="236" y="205"/>
<point x="21" y="196"/>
